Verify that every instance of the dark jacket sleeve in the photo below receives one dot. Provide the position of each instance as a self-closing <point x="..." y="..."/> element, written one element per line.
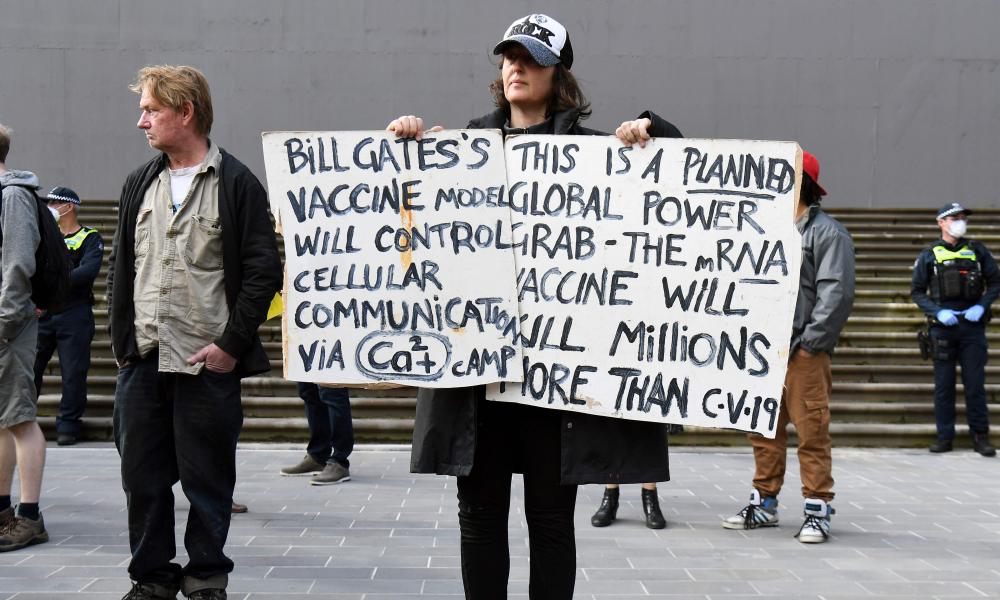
<point x="90" y="263"/>
<point x="661" y="127"/>
<point x="260" y="266"/>
<point x="991" y="274"/>
<point x="115" y="245"/>
<point x="920" y="282"/>
<point x="834" y="290"/>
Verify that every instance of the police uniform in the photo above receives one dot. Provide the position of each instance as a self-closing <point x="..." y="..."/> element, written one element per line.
<point x="69" y="328"/>
<point x="956" y="277"/>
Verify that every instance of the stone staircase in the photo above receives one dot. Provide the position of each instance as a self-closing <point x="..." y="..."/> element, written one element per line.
<point x="882" y="389"/>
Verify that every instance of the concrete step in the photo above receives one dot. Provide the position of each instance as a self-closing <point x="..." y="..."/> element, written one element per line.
<point x="363" y="406"/>
<point x="399" y="430"/>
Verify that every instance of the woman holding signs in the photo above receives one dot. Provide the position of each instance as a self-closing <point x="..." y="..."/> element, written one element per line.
<point x="457" y="432"/>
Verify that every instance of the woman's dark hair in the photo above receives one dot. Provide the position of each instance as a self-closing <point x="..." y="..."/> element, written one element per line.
<point x="810" y="191"/>
<point x="566" y="93"/>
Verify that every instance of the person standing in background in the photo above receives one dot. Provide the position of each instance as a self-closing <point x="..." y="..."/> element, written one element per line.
<point x="955" y="281"/>
<point x="69" y="327"/>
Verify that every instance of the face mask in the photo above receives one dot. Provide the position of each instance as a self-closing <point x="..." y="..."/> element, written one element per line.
<point x="55" y="213"/>
<point x="957" y="228"/>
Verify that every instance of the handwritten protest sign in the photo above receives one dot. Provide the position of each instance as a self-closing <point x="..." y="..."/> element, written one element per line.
<point x="398" y="266"/>
<point x="655" y="284"/>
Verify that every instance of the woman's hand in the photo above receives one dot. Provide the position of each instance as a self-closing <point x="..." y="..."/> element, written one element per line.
<point x="410" y="126"/>
<point x="637" y="131"/>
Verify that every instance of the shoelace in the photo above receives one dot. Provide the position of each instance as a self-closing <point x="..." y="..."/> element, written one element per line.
<point x="815" y="523"/>
<point x="9" y="526"/>
<point x="748" y="517"/>
<point x="137" y="592"/>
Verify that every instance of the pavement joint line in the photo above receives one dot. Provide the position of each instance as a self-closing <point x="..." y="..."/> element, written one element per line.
<point x="626" y="560"/>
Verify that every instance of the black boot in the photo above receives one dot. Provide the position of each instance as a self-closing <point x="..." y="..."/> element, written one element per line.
<point x="651" y="506"/>
<point x="606" y="514"/>
<point x="981" y="444"/>
<point x="940" y="446"/>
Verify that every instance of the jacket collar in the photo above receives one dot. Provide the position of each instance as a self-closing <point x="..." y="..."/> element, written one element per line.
<point x="562" y="122"/>
<point x="807" y="217"/>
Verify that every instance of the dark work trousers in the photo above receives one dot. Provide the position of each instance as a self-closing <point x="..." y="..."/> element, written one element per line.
<point x="173" y="427"/>
<point x="514" y="438"/>
<point x="964" y="344"/>
<point x="331" y="431"/>
<point x="71" y="332"/>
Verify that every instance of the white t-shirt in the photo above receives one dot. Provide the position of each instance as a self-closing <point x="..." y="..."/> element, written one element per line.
<point x="180" y="184"/>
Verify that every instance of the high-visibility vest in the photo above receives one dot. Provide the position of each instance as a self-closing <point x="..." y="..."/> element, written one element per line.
<point x="957" y="275"/>
<point x="75" y="241"/>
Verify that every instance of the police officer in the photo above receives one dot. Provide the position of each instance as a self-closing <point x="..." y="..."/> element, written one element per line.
<point x="954" y="282"/>
<point x="70" y="326"/>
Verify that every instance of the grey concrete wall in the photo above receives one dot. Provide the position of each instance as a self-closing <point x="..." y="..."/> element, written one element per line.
<point x="900" y="99"/>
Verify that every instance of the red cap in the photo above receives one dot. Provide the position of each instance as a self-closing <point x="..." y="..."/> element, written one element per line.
<point x="811" y="167"/>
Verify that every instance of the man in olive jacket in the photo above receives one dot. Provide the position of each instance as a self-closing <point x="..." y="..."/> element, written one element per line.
<point x="194" y="267"/>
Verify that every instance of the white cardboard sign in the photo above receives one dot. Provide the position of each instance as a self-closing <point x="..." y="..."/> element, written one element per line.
<point x="655" y="284"/>
<point x="398" y="268"/>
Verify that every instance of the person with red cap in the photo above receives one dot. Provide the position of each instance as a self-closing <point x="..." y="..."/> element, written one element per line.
<point x="826" y="294"/>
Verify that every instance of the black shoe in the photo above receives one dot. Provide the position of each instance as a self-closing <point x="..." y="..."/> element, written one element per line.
<point x="212" y="594"/>
<point x="65" y="439"/>
<point x="981" y="444"/>
<point x="940" y="446"/>
<point x="150" y="591"/>
<point x="651" y="506"/>
<point x="606" y="514"/>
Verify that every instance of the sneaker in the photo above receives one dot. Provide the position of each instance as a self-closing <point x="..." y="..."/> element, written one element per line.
<point x="212" y="594"/>
<point x="816" y="527"/>
<point x="940" y="446"/>
<point x="150" y="591"/>
<point x="65" y="439"/>
<point x="332" y="473"/>
<point x="307" y="466"/>
<point x="22" y="531"/>
<point x="6" y="516"/>
<point x="761" y="512"/>
<point x="981" y="444"/>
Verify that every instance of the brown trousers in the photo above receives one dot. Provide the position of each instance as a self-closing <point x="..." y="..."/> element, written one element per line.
<point x="806" y="403"/>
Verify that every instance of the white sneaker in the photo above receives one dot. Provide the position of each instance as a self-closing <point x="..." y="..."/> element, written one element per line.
<point x="816" y="527"/>
<point x="759" y="513"/>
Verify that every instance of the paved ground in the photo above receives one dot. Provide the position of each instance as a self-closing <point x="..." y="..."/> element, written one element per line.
<point x="909" y="525"/>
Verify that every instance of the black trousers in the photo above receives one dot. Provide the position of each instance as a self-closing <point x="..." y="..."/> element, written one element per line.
<point x="964" y="344"/>
<point x="71" y="332"/>
<point x="331" y="430"/>
<point x="172" y="427"/>
<point x="514" y="438"/>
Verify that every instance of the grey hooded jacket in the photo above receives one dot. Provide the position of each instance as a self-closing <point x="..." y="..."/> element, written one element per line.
<point x="19" y="221"/>
<point x="826" y="282"/>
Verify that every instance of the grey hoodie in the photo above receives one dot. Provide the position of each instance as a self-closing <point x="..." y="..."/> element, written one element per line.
<point x="19" y="222"/>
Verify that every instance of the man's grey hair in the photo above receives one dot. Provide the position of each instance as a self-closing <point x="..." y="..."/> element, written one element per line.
<point x="6" y="133"/>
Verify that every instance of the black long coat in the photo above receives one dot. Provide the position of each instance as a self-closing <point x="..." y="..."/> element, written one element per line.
<point x="593" y="449"/>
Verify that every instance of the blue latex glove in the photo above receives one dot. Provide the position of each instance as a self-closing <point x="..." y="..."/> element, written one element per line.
<point x="974" y="313"/>
<point x="947" y="317"/>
